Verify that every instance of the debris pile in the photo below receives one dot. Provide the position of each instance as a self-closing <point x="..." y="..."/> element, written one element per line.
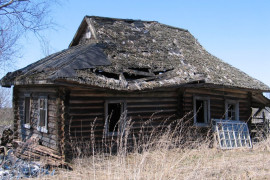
<point x="12" y="167"/>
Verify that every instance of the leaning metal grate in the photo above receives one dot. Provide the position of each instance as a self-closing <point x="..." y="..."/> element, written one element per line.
<point x="232" y="134"/>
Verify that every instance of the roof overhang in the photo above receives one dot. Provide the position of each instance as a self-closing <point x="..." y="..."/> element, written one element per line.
<point x="259" y="101"/>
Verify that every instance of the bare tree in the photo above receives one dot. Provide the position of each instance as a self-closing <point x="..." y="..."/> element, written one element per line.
<point x="18" y="17"/>
<point x="5" y="98"/>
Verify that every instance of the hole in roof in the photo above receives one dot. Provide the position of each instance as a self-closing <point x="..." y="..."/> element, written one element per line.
<point x="196" y="82"/>
<point x="107" y="74"/>
<point x="129" y="21"/>
<point x="131" y="77"/>
<point x="162" y="72"/>
<point x="140" y="69"/>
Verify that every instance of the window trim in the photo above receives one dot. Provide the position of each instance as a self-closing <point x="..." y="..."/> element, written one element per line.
<point x="236" y="103"/>
<point x="27" y="125"/>
<point x="43" y="128"/>
<point x="208" y="116"/>
<point x="122" y="123"/>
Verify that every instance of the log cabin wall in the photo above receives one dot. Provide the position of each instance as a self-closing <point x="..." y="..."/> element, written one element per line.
<point x="217" y="101"/>
<point x="72" y="112"/>
<point x="87" y="107"/>
<point x="49" y="139"/>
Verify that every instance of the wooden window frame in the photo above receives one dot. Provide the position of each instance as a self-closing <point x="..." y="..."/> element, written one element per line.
<point x="234" y="102"/>
<point x="123" y="119"/>
<point x="27" y="124"/>
<point x="44" y="128"/>
<point x="232" y="134"/>
<point x="207" y="114"/>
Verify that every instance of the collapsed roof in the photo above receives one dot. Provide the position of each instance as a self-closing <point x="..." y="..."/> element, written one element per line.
<point x="124" y="54"/>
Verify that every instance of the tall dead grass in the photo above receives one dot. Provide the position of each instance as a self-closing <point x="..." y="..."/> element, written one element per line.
<point x="167" y="152"/>
<point x="6" y="116"/>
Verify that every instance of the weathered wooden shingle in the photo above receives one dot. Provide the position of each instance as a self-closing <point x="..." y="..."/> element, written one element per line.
<point x="126" y="54"/>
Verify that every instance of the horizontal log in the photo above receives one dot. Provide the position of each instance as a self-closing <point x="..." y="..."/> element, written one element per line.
<point x="152" y="112"/>
<point x="151" y="105"/>
<point x="215" y="91"/>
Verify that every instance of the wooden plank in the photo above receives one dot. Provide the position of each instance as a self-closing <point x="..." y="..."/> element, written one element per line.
<point x="150" y="105"/>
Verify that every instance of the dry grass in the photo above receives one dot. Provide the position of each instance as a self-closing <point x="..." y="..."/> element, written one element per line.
<point x="6" y="116"/>
<point x="163" y="157"/>
<point x="201" y="163"/>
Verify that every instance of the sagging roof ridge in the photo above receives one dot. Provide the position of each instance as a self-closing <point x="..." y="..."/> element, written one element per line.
<point x="84" y="23"/>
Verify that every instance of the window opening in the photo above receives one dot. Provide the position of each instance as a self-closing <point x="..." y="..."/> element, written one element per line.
<point x="114" y="120"/>
<point x="43" y="114"/>
<point x="201" y="110"/>
<point x="88" y="33"/>
<point x="27" y="111"/>
<point x="232" y="109"/>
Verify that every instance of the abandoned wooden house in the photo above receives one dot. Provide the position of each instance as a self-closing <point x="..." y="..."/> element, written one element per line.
<point x="144" y="68"/>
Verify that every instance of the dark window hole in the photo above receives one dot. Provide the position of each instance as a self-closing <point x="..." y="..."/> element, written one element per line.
<point x="114" y="113"/>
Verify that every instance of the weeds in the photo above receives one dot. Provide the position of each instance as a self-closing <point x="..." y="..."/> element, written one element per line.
<point x="6" y="116"/>
<point x="165" y="152"/>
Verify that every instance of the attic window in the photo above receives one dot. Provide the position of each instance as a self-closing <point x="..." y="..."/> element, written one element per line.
<point x="88" y="33"/>
<point x="131" y="77"/>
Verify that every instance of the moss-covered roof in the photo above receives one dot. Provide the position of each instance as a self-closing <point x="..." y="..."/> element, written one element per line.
<point x="126" y="54"/>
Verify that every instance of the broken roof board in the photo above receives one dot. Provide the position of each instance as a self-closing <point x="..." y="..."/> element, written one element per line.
<point x="126" y="54"/>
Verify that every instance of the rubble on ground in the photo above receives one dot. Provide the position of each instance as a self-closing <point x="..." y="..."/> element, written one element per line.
<point x="12" y="167"/>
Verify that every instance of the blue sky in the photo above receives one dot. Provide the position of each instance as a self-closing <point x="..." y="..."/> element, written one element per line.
<point x="236" y="31"/>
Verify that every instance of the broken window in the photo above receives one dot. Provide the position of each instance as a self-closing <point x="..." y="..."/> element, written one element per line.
<point x="115" y="120"/>
<point x="27" y="111"/>
<point x="201" y="108"/>
<point x="232" y="110"/>
<point x="43" y="114"/>
<point x="232" y="134"/>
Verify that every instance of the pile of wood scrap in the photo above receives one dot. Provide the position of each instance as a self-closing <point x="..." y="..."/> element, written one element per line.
<point x="6" y="141"/>
<point x="31" y="150"/>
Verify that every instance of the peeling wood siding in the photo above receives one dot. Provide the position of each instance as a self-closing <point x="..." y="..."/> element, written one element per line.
<point x="217" y="101"/>
<point x="87" y="107"/>
<point x="49" y="139"/>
